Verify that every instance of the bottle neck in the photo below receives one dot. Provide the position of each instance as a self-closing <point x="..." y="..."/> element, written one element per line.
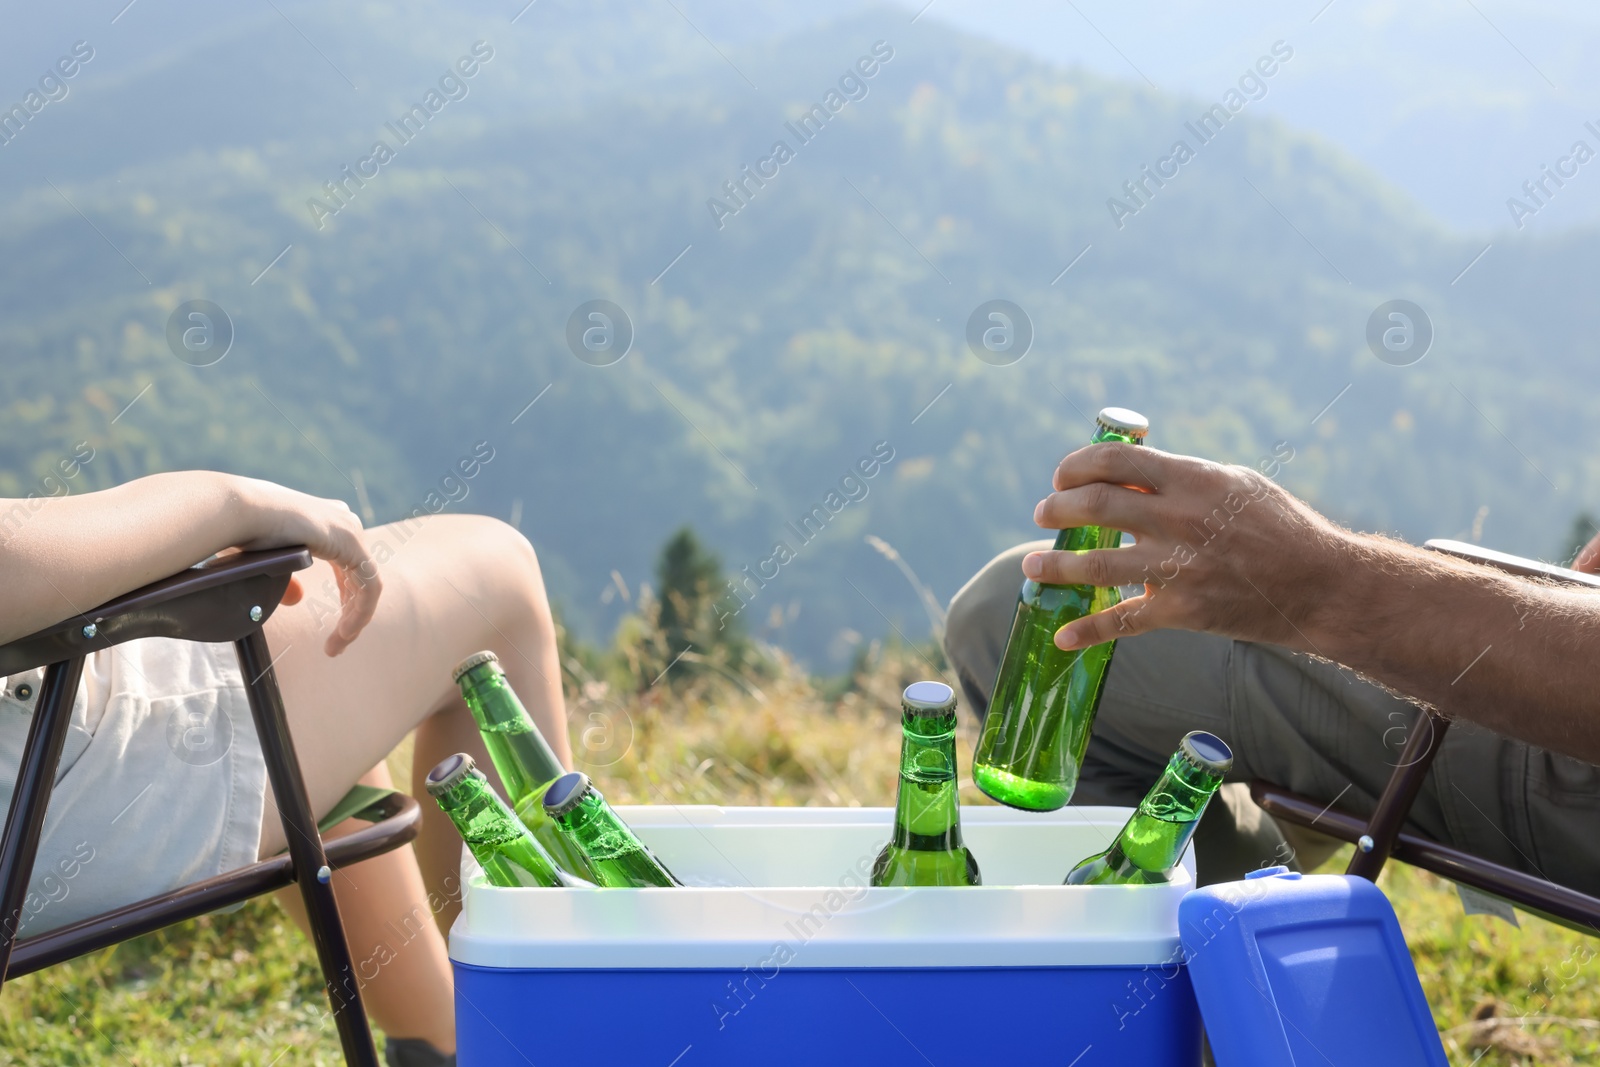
<point x="927" y="810"/>
<point x="521" y="754"/>
<point x="596" y="828"/>
<point x="478" y="813"/>
<point x="1082" y="538"/>
<point x="1154" y="839"/>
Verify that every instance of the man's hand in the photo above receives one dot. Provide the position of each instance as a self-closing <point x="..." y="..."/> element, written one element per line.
<point x="1224" y="549"/>
<point x="1220" y="548"/>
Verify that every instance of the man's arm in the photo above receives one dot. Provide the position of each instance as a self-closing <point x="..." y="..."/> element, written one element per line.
<point x="62" y="556"/>
<point x="1226" y="550"/>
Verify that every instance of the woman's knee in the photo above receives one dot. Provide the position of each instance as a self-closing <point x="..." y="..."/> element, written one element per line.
<point x="507" y="568"/>
<point x="524" y="580"/>
<point x="474" y="566"/>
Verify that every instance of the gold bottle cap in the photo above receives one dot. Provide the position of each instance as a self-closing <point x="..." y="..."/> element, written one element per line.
<point x="1124" y="421"/>
<point x="472" y="661"/>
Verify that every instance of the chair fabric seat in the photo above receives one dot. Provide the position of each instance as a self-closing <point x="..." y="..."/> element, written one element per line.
<point x="363" y="802"/>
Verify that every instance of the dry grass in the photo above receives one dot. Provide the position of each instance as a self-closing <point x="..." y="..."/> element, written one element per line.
<point x="783" y="743"/>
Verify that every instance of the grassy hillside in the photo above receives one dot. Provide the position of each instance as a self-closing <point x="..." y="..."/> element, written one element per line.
<point x="244" y="988"/>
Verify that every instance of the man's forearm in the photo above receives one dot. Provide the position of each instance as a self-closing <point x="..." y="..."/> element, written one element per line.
<point x="65" y="555"/>
<point x="1516" y="656"/>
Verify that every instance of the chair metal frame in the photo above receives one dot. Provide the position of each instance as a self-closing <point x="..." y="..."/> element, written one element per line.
<point x="223" y="600"/>
<point x="1382" y="835"/>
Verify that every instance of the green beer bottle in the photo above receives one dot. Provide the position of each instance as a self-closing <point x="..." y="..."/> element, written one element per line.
<point x="519" y="751"/>
<point x="926" y="848"/>
<point x="1152" y="841"/>
<point x="618" y="858"/>
<point x="503" y="847"/>
<point x="1044" y="699"/>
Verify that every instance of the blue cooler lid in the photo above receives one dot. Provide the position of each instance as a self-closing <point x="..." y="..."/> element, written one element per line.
<point x="1305" y="969"/>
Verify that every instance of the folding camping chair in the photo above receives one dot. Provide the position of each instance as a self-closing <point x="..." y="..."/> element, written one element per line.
<point x="1381" y="835"/>
<point x="225" y="599"/>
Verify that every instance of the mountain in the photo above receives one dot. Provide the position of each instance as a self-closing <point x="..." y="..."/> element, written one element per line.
<point x="775" y="347"/>
<point x="1458" y="104"/>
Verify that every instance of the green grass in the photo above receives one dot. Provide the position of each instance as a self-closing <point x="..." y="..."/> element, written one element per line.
<point x="1515" y="996"/>
<point x="224" y="989"/>
<point x="244" y="988"/>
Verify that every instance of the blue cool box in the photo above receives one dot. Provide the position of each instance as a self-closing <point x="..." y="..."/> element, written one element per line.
<point x="1305" y="970"/>
<point x="777" y="953"/>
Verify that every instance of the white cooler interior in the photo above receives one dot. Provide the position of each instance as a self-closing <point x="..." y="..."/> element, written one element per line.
<point x="793" y="881"/>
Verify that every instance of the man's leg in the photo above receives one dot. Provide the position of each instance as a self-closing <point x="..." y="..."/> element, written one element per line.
<point x="1311" y="726"/>
<point x="1324" y="732"/>
<point x="979" y="620"/>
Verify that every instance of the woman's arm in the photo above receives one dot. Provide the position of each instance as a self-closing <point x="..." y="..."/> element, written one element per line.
<point x="1226" y="550"/>
<point x="63" y="556"/>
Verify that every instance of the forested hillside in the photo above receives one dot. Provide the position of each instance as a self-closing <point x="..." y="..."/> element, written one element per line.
<point x="775" y="347"/>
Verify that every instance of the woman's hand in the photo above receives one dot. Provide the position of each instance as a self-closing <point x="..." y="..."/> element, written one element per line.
<point x="1220" y="548"/>
<point x="278" y="516"/>
<point x="1588" y="560"/>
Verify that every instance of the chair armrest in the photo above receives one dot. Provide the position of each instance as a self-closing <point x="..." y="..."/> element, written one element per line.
<point x="1505" y="561"/>
<point x="210" y="603"/>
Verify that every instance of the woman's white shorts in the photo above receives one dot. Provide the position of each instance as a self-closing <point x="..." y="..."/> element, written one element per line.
<point x="161" y="781"/>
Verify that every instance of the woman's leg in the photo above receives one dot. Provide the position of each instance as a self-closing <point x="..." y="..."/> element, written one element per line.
<point x="399" y="956"/>
<point x="452" y="585"/>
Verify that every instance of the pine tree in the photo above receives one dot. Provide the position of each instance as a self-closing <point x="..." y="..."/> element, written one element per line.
<point x="689" y="578"/>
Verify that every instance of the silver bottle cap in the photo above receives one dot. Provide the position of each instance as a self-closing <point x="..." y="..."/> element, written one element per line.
<point x="1208" y="752"/>
<point x="928" y="698"/>
<point x="566" y="793"/>
<point x="450" y="772"/>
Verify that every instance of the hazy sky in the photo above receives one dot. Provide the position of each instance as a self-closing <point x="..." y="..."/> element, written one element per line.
<point x="1458" y="102"/>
